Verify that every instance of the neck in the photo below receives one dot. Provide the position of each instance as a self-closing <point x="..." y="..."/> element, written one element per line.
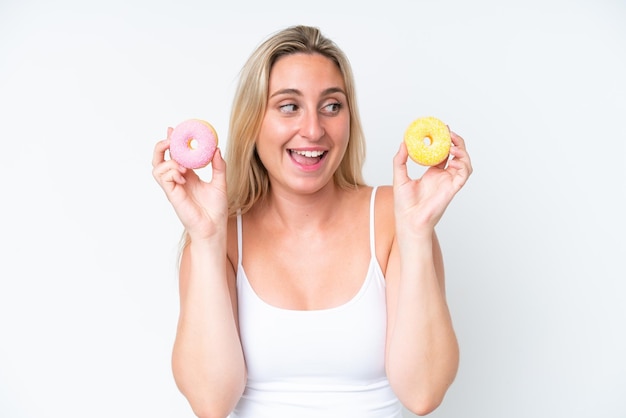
<point x="303" y="213"/>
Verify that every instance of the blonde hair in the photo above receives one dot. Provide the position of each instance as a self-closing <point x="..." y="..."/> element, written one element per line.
<point x="247" y="177"/>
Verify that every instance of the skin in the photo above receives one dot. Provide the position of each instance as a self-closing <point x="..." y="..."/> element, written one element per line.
<point x="306" y="217"/>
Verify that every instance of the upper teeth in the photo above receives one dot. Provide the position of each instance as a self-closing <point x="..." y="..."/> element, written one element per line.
<point x="310" y="153"/>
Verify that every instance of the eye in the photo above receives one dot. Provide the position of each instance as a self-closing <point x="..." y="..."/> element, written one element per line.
<point x="288" y="108"/>
<point x="332" y="108"/>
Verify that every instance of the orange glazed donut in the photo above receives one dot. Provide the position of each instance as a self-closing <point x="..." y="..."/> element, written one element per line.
<point x="428" y="141"/>
<point x="193" y="143"/>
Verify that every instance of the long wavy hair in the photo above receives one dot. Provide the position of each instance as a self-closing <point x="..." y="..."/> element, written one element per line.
<point x="247" y="178"/>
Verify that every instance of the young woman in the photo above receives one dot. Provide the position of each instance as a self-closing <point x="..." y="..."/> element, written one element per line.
<point x="303" y="291"/>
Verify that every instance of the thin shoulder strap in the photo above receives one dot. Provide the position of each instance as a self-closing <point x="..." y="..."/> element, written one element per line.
<point x="239" y="239"/>
<point x="372" y="231"/>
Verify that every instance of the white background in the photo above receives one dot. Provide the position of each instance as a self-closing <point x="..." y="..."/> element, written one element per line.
<point x="534" y="245"/>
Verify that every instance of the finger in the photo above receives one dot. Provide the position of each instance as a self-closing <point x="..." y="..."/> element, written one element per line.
<point x="459" y="152"/>
<point x="174" y="176"/>
<point x="168" y="170"/>
<point x="400" y="172"/>
<point x="457" y="140"/>
<point x="461" y="168"/>
<point x="461" y="173"/>
<point x="219" y="169"/>
<point x="158" y="156"/>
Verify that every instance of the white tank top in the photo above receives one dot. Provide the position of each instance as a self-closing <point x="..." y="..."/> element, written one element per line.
<point x="326" y="363"/>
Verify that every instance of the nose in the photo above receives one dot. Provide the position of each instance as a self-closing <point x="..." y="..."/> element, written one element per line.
<point x="311" y="127"/>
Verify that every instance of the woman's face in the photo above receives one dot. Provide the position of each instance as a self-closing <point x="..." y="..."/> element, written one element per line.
<point x="306" y="126"/>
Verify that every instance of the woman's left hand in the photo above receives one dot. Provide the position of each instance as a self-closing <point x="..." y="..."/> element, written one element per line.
<point x="420" y="203"/>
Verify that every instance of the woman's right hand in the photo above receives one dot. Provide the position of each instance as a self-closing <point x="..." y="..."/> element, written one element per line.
<point x="201" y="206"/>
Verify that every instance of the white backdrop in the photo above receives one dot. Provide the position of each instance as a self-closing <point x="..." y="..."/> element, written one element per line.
<point x="534" y="245"/>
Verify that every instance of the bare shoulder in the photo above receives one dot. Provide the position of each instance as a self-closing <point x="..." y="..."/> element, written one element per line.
<point x="384" y="194"/>
<point x="384" y="205"/>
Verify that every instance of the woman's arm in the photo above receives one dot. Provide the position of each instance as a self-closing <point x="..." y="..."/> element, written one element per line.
<point x="422" y="349"/>
<point x="207" y="358"/>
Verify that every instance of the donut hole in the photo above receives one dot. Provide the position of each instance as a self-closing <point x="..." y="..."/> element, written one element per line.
<point x="428" y="141"/>
<point x="192" y="143"/>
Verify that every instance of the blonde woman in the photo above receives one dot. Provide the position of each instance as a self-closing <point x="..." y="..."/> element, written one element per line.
<point x="303" y="291"/>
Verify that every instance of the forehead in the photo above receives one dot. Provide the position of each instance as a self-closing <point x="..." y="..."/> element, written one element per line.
<point x="305" y="68"/>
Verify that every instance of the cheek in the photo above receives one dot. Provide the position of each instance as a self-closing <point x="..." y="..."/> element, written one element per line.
<point x="343" y="132"/>
<point x="275" y="131"/>
<point x="269" y="142"/>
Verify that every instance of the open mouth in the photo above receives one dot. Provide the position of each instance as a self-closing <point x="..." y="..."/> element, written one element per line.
<point x="307" y="157"/>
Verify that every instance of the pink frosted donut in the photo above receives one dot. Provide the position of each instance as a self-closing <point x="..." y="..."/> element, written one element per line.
<point x="193" y="143"/>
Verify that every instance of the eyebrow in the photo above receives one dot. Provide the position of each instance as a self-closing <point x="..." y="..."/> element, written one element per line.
<point x="297" y="92"/>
